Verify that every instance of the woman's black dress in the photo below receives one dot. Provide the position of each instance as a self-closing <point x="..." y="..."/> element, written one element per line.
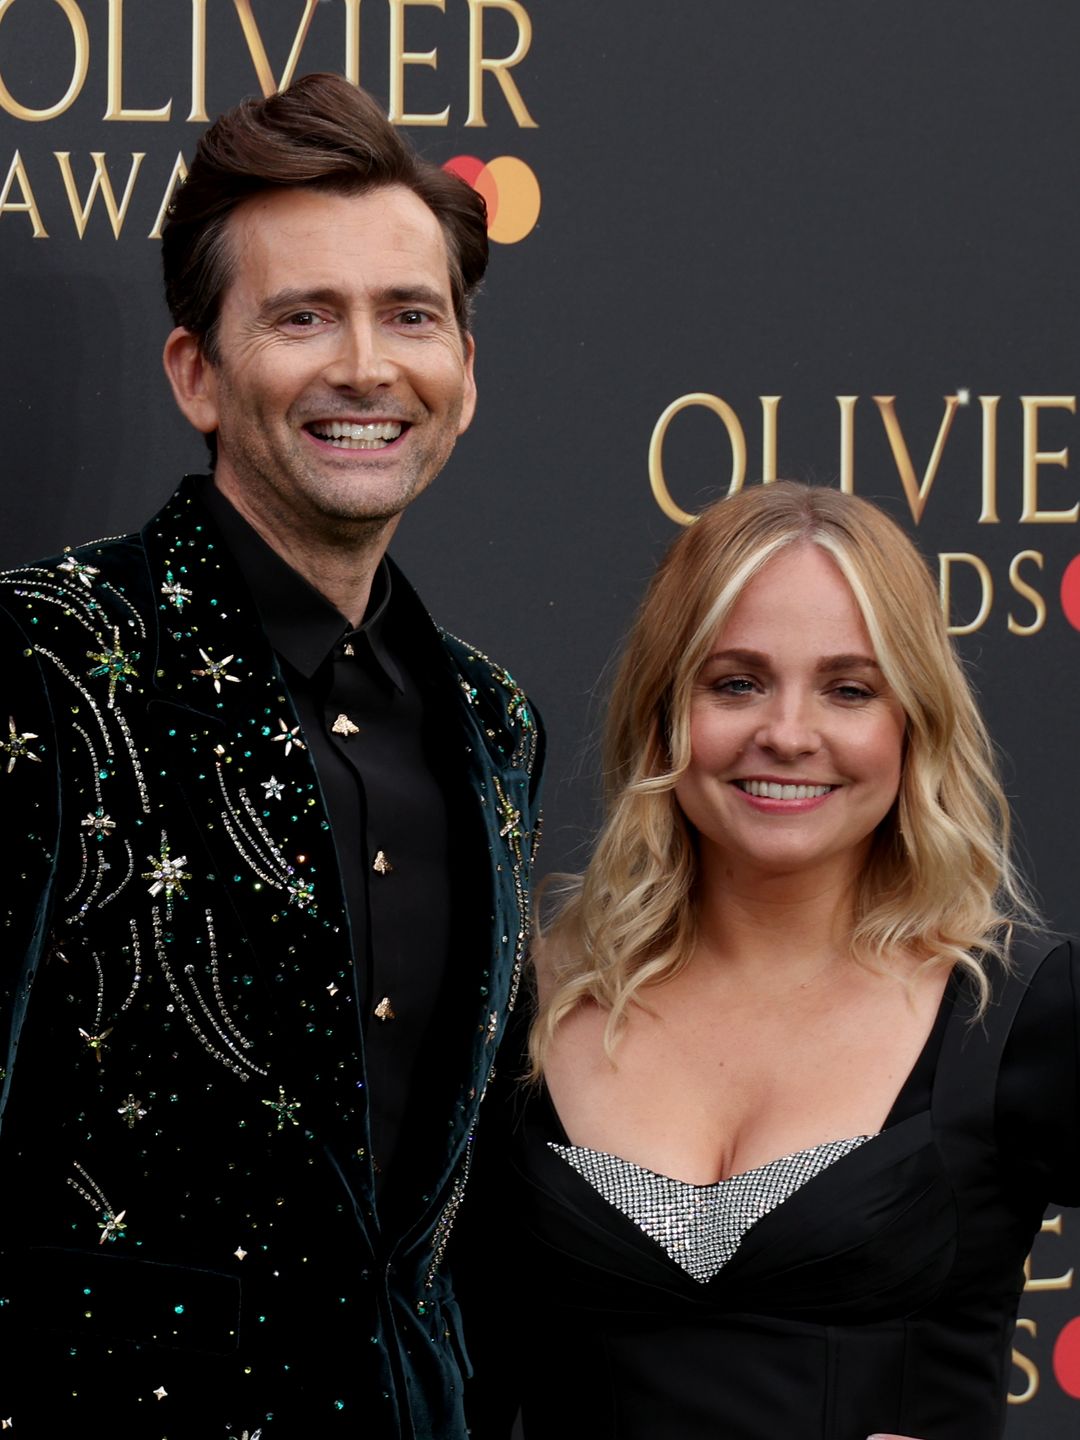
<point x="876" y="1290"/>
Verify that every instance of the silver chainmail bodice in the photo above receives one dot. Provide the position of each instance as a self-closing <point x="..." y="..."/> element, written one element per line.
<point x="701" y="1226"/>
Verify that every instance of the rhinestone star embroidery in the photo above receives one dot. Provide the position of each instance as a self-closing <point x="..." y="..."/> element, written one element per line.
<point x="167" y="874"/>
<point x="161" y="1392"/>
<point x="215" y="670"/>
<point x="112" y="1227"/>
<point x="283" y="1108"/>
<point x="113" y="664"/>
<point x="99" y="823"/>
<point x="290" y="736"/>
<point x="511" y="818"/>
<point x="96" y="1042"/>
<point x="301" y="893"/>
<point x="273" y="787"/>
<point x="174" y="592"/>
<point x="132" y="1111"/>
<point x="240" y="1252"/>
<point x="14" y="747"/>
<point x="83" y="573"/>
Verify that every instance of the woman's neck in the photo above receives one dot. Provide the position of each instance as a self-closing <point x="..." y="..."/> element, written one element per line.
<point x="765" y="924"/>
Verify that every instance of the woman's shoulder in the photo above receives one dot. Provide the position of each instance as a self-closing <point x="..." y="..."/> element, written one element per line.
<point x="1038" y="1091"/>
<point x="1046" y="970"/>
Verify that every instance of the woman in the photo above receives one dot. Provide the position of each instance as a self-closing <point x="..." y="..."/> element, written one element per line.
<point x="787" y="1150"/>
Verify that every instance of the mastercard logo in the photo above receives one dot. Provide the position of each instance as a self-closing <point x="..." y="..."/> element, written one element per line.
<point x="1070" y="603"/>
<point x="1067" y="1359"/>
<point x="510" y="190"/>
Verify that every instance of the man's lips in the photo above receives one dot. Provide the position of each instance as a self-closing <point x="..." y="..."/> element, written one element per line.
<point x="356" y="434"/>
<point x="783" y="790"/>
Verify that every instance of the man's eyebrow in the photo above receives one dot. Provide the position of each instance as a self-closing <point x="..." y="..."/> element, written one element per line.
<point x="418" y="294"/>
<point x="297" y="298"/>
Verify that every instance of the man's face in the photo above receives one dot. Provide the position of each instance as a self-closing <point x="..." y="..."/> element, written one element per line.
<point x="342" y="379"/>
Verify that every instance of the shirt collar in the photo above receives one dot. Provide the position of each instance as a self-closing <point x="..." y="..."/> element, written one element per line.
<point x="301" y="624"/>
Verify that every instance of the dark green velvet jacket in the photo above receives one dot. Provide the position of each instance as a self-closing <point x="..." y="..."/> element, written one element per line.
<point x="191" y="1246"/>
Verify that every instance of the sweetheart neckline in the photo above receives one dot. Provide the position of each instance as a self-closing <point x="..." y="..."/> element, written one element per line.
<point x="919" y="1077"/>
<point x="853" y="1140"/>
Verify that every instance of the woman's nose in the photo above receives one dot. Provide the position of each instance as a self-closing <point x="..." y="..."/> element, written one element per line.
<point x="788" y="725"/>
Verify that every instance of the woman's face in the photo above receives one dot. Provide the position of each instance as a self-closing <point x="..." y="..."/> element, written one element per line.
<point x="796" y="740"/>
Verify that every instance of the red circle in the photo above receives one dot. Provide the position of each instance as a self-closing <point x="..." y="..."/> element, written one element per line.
<point x="465" y="167"/>
<point x="1070" y="592"/>
<point x="1067" y="1353"/>
<point x="475" y="173"/>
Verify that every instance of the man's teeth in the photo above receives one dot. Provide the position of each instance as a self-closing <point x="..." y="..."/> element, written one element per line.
<point x="769" y="790"/>
<point x="348" y="435"/>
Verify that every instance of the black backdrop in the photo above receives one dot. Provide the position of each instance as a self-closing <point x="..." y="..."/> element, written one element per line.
<point x="740" y="199"/>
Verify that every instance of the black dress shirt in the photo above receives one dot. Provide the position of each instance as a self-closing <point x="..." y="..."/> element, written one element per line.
<point x="369" y="714"/>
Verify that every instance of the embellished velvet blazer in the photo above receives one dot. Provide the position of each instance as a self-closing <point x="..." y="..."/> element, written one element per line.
<point x="190" y="1242"/>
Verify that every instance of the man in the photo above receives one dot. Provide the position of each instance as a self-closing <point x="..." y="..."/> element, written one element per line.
<point x="267" y="916"/>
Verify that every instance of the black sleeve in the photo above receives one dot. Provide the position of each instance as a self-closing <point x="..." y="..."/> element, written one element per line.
<point x="487" y="1280"/>
<point x="29" y="806"/>
<point x="1038" y="1098"/>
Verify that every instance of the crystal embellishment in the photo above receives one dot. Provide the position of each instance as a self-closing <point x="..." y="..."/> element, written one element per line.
<point x="701" y="1226"/>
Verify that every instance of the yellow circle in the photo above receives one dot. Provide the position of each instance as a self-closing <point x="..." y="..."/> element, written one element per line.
<point x="519" y="199"/>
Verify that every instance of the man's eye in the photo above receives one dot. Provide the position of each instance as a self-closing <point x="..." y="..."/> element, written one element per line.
<point x="413" y="317"/>
<point x="303" y="319"/>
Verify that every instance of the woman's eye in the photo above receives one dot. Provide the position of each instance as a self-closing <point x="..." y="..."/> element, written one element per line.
<point x="734" y="685"/>
<point x="853" y="692"/>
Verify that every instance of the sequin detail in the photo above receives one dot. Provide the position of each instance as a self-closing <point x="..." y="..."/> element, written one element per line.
<point x="701" y="1226"/>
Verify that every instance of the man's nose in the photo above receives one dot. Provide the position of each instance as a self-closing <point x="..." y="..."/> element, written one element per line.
<point x="788" y="725"/>
<point x="362" y="360"/>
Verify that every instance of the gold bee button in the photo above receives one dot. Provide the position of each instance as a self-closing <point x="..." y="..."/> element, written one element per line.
<point x="384" y="1010"/>
<point x="344" y="726"/>
<point x="381" y="865"/>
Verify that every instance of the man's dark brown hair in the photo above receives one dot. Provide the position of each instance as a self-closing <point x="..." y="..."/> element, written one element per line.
<point x="323" y="133"/>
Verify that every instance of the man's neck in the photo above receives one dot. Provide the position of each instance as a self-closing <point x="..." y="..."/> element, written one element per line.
<point x="340" y="567"/>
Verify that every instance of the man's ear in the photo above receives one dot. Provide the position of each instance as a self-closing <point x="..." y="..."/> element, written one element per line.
<point x="468" y="399"/>
<point x="193" y="379"/>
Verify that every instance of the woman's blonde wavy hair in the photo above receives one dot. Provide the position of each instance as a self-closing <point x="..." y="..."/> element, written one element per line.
<point x="939" y="882"/>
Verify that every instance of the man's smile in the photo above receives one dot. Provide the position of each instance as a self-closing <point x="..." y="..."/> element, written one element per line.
<point x="356" y="435"/>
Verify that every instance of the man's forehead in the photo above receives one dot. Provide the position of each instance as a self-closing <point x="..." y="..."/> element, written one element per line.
<point x="308" y="235"/>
